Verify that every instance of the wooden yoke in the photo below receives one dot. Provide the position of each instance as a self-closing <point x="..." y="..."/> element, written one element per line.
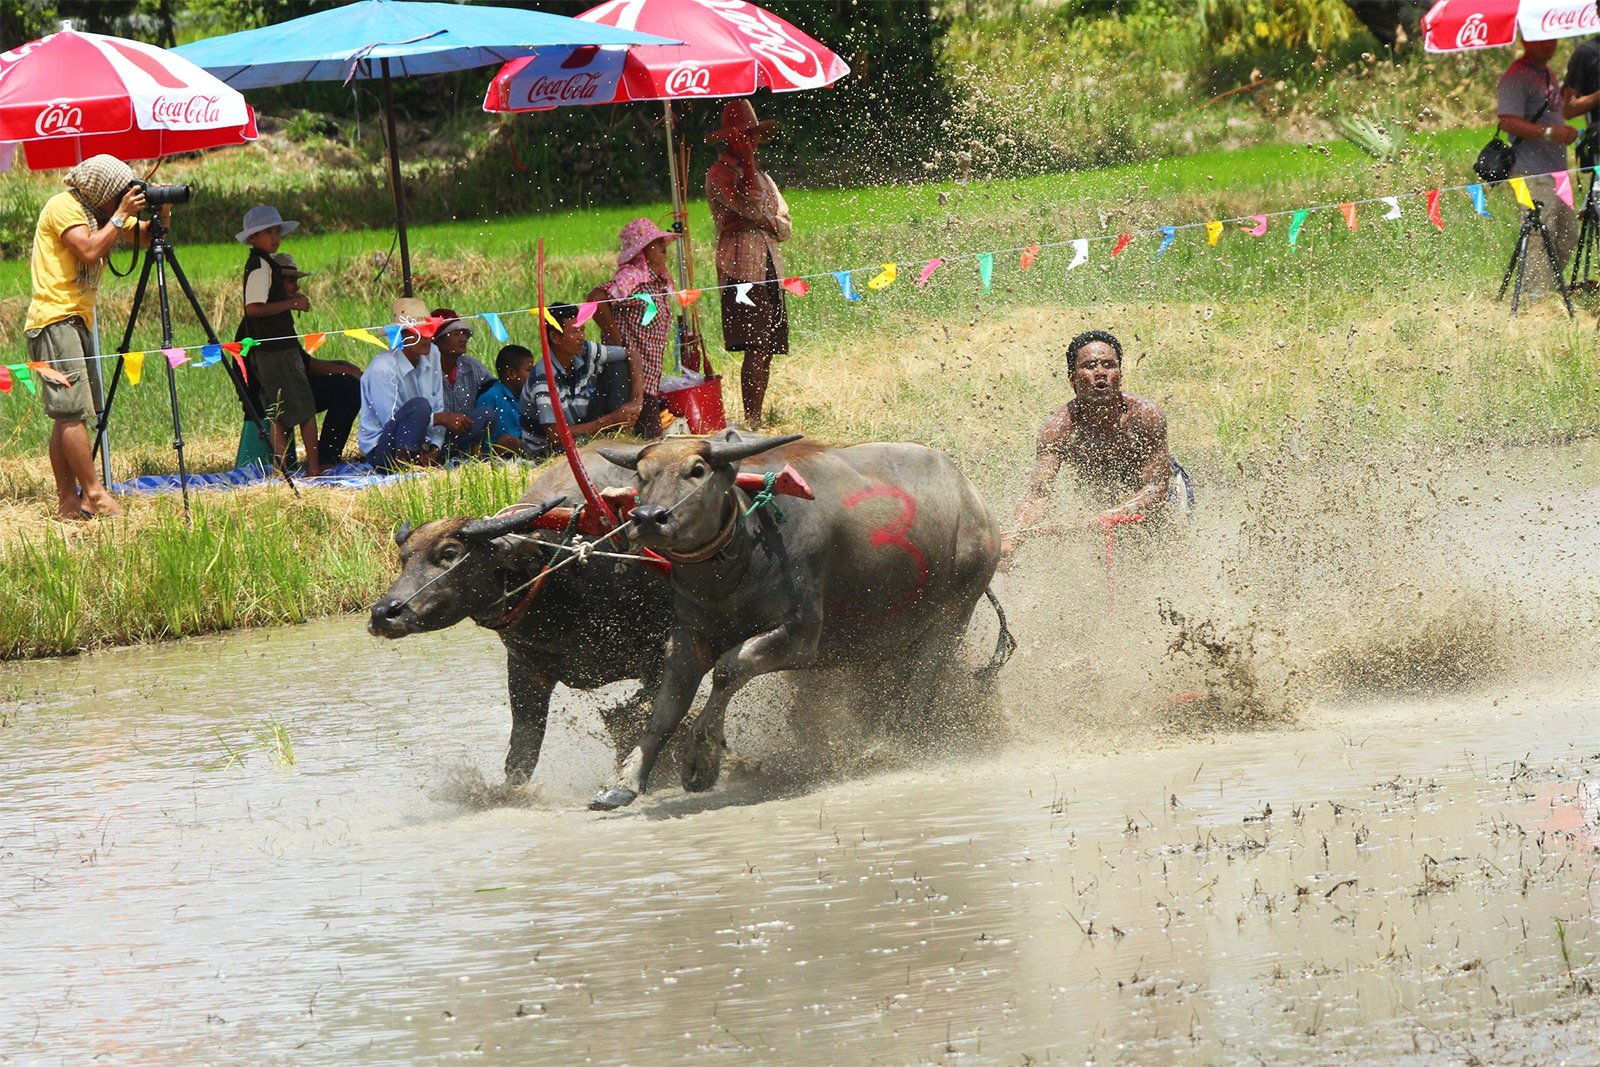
<point x="591" y="524"/>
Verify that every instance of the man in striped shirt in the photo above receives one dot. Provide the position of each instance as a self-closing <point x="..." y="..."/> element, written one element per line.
<point x="592" y="380"/>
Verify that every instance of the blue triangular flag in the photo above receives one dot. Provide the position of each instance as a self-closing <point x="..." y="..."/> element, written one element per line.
<point x="210" y="354"/>
<point x="843" y="278"/>
<point x="496" y="327"/>
<point x="1167" y="234"/>
<point x="393" y="334"/>
<point x="1476" y="192"/>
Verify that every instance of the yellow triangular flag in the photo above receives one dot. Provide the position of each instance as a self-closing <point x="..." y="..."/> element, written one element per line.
<point x="551" y="319"/>
<point x="1213" y="231"/>
<point x="133" y="363"/>
<point x="1520" y="187"/>
<point x="885" y="277"/>
<point x="362" y="335"/>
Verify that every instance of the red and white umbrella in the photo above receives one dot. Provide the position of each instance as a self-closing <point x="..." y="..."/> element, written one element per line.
<point x="73" y="95"/>
<point x="730" y="48"/>
<point x="1464" y="25"/>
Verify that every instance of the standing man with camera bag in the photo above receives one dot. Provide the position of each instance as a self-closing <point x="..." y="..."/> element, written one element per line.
<point x="76" y="232"/>
<point x="1530" y="106"/>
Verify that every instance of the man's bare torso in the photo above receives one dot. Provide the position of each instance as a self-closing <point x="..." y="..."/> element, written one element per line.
<point x="1105" y="457"/>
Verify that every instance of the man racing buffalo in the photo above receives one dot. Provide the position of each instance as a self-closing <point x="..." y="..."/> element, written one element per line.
<point x="1115" y="443"/>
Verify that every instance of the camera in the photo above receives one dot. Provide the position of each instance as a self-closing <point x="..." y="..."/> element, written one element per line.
<point x="161" y="195"/>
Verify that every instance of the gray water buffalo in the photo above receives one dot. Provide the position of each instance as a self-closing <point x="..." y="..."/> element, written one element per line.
<point x="582" y="627"/>
<point x="883" y="566"/>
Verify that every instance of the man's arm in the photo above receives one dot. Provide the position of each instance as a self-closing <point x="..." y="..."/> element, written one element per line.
<point x="609" y="333"/>
<point x="94" y="246"/>
<point x="1517" y="126"/>
<point x="1052" y="436"/>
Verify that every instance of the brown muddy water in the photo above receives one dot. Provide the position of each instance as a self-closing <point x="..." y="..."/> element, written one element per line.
<point x="1373" y="837"/>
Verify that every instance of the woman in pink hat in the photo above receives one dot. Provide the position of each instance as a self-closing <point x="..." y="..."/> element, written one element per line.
<point x="641" y="268"/>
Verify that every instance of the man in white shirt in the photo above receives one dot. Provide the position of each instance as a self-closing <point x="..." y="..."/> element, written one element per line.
<point x="403" y="420"/>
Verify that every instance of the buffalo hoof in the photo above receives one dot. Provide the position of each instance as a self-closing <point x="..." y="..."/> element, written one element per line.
<point x="612" y="798"/>
<point x="703" y="767"/>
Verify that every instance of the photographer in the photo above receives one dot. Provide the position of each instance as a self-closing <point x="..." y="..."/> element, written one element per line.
<point x="1531" y="109"/>
<point x="76" y="232"/>
<point x="1580" y="92"/>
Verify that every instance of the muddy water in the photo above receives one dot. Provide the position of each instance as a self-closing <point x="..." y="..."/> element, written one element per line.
<point x="1392" y="878"/>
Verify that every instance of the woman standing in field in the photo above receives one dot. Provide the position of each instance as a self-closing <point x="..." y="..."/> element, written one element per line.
<point x="633" y="324"/>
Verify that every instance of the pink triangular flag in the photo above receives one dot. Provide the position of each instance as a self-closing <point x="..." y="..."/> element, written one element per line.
<point x="176" y="357"/>
<point x="1563" y="187"/>
<point x="1260" y="228"/>
<point x="586" y="312"/>
<point x="927" y="272"/>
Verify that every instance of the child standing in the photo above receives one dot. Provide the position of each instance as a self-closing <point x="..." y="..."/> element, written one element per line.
<point x="269" y="318"/>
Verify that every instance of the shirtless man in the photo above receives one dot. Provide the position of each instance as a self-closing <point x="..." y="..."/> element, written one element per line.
<point x="1115" y="442"/>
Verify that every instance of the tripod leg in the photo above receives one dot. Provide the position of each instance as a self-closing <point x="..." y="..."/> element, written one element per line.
<point x="127" y="338"/>
<point x="1520" y="260"/>
<point x="1555" y="268"/>
<point x="1511" y="267"/>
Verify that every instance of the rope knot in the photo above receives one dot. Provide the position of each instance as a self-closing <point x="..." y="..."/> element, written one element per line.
<point x="764" y="498"/>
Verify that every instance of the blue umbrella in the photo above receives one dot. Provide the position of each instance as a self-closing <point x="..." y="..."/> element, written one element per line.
<point x="388" y="39"/>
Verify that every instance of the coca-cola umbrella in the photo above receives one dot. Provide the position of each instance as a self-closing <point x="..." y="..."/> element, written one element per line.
<point x="386" y="39"/>
<point x="73" y="95"/>
<point x="1465" y="25"/>
<point x="730" y="48"/>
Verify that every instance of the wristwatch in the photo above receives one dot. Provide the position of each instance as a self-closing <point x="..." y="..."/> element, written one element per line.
<point x="1546" y="134"/>
<point x="120" y="222"/>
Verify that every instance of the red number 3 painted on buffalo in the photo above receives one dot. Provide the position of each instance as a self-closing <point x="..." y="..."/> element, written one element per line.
<point x="892" y="534"/>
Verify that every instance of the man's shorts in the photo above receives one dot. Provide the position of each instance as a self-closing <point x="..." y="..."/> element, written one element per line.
<point x="285" y="390"/>
<point x="65" y="345"/>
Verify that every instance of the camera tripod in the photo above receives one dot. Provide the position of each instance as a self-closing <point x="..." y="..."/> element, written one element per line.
<point x="1532" y="223"/>
<point x="160" y="253"/>
<point x="1587" y="253"/>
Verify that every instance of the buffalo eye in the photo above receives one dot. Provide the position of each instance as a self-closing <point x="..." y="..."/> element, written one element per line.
<point x="449" y="553"/>
<point x="698" y="470"/>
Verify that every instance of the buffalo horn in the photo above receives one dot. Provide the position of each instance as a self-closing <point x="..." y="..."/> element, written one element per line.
<point x="627" y="458"/>
<point x="727" y="453"/>
<point x="402" y="532"/>
<point x="487" y="529"/>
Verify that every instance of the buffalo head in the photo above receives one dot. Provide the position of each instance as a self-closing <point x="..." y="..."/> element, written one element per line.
<point x="684" y="486"/>
<point x="451" y="569"/>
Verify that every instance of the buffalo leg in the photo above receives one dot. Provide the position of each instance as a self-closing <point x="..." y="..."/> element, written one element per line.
<point x="687" y="660"/>
<point x="530" y="691"/>
<point x="788" y="647"/>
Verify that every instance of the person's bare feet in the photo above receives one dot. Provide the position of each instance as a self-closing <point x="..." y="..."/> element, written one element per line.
<point x="98" y="503"/>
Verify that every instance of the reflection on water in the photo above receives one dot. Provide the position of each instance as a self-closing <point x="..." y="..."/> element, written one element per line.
<point x="1379" y="884"/>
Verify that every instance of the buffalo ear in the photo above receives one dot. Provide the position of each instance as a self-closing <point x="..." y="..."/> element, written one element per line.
<point x="727" y="453"/>
<point x="627" y="457"/>
<point x="402" y="532"/>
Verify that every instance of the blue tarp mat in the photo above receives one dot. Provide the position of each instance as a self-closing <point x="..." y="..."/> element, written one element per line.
<point x="344" y="476"/>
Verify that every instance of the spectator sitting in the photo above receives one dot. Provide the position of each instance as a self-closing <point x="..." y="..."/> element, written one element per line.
<point x="403" y="419"/>
<point x="464" y="376"/>
<point x="513" y="365"/>
<point x="593" y="381"/>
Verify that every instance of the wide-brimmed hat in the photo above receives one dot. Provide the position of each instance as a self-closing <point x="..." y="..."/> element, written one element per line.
<point x="263" y="217"/>
<point x="408" y="311"/>
<point x="289" y="267"/>
<point x="450" y="322"/>
<point x="739" y="116"/>
<point x="638" y="235"/>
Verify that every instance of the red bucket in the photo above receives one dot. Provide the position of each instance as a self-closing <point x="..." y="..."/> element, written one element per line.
<point x="700" y="404"/>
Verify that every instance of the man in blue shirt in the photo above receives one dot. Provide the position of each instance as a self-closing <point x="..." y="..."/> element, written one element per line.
<point x="403" y="420"/>
<point x="592" y="380"/>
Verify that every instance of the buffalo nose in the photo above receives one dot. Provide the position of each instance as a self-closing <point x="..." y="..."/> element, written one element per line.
<point x="647" y="516"/>
<point x="387" y="609"/>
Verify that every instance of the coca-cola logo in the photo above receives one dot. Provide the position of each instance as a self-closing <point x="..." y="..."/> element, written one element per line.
<point x="59" y="117"/>
<point x="1474" y="32"/>
<point x="1569" y="21"/>
<point x="688" y="79"/>
<point x="794" y="60"/>
<point x="573" y="88"/>
<point x="186" y="111"/>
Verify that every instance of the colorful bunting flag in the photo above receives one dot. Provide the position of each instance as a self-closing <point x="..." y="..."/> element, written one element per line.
<point x="5" y="381"/>
<point x="550" y="319"/>
<point x="1479" y="201"/>
<point x="133" y="363"/>
<point x="210" y="354"/>
<point x="1348" y="210"/>
<point x="1259" y="229"/>
<point x="176" y="357"/>
<point x="428" y="326"/>
<point x="885" y="277"/>
<point x="1213" y="232"/>
<point x="986" y="269"/>
<point x="1029" y="254"/>
<point x="1297" y="220"/>
<point x="1167" y="234"/>
<point x="1433" y="209"/>
<point x="843" y="278"/>
<point x="244" y="348"/>
<point x="25" y="377"/>
<point x="586" y="312"/>
<point x="394" y="334"/>
<point x="244" y="371"/>
<point x="1123" y="240"/>
<point x="1080" y="253"/>
<point x="649" y="315"/>
<point x="1394" y="208"/>
<point x="797" y="286"/>
<point x="1519" y="187"/>
<point x="498" y="328"/>
<point x="360" y="334"/>
<point x="313" y="341"/>
<point x="927" y="272"/>
<point x="1563" y="185"/>
<point x="741" y="294"/>
<point x="685" y="297"/>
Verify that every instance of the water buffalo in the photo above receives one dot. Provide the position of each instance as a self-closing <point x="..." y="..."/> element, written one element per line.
<point x="883" y="566"/>
<point x="584" y="627"/>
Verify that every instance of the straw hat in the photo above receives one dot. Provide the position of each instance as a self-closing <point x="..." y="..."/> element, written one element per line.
<point x="638" y="235"/>
<point x="408" y="311"/>
<point x="263" y="217"/>
<point x="739" y="116"/>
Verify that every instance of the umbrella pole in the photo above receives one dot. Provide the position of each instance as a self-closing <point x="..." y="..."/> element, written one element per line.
<point x="680" y="227"/>
<point x="394" y="180"/>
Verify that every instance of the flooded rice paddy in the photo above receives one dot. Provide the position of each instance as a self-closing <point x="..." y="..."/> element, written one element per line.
<point x="279" y="847"/>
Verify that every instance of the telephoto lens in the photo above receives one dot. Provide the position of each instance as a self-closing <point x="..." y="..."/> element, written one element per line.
<point x="161" y="195"/>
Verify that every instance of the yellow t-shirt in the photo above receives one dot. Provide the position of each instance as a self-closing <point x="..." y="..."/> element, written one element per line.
<point x="63" y="284"/>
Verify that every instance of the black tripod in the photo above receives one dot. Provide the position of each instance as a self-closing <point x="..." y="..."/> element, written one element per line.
<point x="1585" y="255"/>
<point x="1532" y="223"/>
<point x="159" y="253"/>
